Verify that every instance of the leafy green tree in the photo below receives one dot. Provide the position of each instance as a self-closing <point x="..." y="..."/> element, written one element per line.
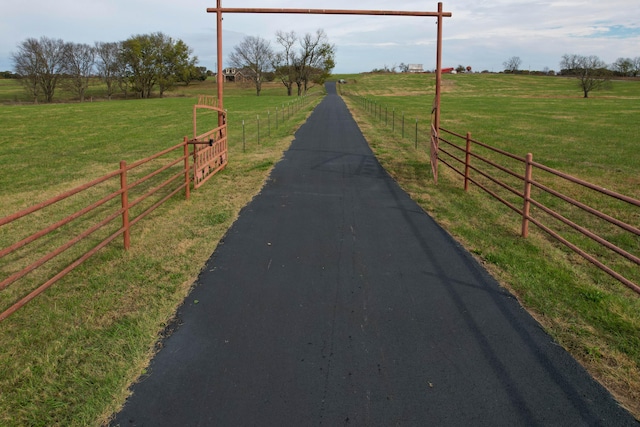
<point x="155" y="59"/>
<point x="316" y="59"/>
<point x="139" y="54"/>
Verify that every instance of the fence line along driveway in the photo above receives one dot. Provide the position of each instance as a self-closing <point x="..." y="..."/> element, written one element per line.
<point x="335" y="300"/>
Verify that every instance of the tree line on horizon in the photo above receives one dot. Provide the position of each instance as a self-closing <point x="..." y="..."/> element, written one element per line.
<point x="133" y="66"/>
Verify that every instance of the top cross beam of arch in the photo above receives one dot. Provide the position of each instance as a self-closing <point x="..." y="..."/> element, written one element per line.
<point x="327" y="11"/>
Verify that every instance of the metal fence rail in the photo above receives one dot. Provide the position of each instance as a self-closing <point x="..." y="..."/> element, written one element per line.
<point x="489" y="172"/>
<point x="153" y="181"/>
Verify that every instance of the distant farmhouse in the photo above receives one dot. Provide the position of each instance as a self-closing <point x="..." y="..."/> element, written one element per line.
<point x="415" y="68"/>
<point x="236" y="75"/>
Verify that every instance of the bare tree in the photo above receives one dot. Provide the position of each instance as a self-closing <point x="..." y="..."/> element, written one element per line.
<point x="592" y="73"/>
<point x="26" y="64"/>
<point x="52" y="65"/>
<point x="512" y="64"/>
<point x="255" y="55"/>
<point x="108" y="64"/>
<point x="79" y="66"/>
<point x="40" y="64"/>
<point x="284" y="63"/>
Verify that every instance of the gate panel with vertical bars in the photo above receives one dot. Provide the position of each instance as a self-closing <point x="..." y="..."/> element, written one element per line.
<point x="210" y="148"/>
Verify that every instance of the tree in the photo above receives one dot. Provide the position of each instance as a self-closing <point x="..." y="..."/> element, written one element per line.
<point x="512" y="64"/>
<point x="139" y="53"/>
<point x="591" y="72"/>
<point x="52" y="65"/>
<point x="26" y="64"/>
<point x="316" y="60"/>
<point x="40" y="63"/>
<point x="109" y="64"/>
<point x="636" y="66"/>
<point x="253" y="54"/>
<point x="78" y="67"/>
<point x="624" y="66"/>
<point x="284" y="63"/>
<point x="174" y="62"/>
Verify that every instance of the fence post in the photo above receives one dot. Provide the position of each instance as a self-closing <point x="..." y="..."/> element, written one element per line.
<point x="258" y="129"/>
<point x="527" y="194"/>
<point x="416" y="133"/>
<point x="276" y="117"/>
<point x="467" y="162"/>
<point x="403" y="125"/>
<point x="386" y="116"/>
<point x="269" y="122"/>
<point x="124" y="198"/>
<point x="393" y="120"/>
<point x="186" y="169"/>
<point x="244" y="141"/>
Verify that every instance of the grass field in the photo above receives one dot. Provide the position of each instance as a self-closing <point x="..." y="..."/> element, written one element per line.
<point x="596" y="318"/>
<point x="68" y="357"/>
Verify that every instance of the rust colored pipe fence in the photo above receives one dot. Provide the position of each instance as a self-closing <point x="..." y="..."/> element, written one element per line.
<point x="176" y="181"/>
<point x="457" y="153"/>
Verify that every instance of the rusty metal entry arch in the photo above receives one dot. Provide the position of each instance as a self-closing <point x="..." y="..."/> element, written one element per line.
<point x="435" y="128"/>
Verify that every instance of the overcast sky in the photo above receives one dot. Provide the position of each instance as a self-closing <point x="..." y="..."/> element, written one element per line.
<point x="481" y="33"/>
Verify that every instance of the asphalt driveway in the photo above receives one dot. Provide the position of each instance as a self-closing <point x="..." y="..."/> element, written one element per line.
<point x="336" y="300"/>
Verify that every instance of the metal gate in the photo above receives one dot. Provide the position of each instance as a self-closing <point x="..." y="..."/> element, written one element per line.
<point x="210" y="148"/>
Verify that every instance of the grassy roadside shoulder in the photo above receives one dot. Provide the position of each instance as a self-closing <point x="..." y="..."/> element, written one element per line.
<point x="68" y="357"/>
<point x="596" y="319"/>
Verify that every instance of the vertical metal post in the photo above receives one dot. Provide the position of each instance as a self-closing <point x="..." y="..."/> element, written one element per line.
<point x="416" y="133"/>
<point x="438" y="71"/>
<point x="187" y="182"/>
<point x="220" y="77"/>
<point x="276" y="117"/>
<point x="194" y="119"/>
<point x="467" y="162"/>
<point x="244" y="141"/>
<point x="527" y="194"/>
<point x="269" y="122"/>
<point x="124" y="198"/>
<point x="258" y="129"/>
<point x="436" y="125"/>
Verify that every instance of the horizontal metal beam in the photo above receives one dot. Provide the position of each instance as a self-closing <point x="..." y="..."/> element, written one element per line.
<point x="327" y="11"/>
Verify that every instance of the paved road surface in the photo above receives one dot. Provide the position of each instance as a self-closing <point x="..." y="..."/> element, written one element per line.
<point x="335" y="300"/>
